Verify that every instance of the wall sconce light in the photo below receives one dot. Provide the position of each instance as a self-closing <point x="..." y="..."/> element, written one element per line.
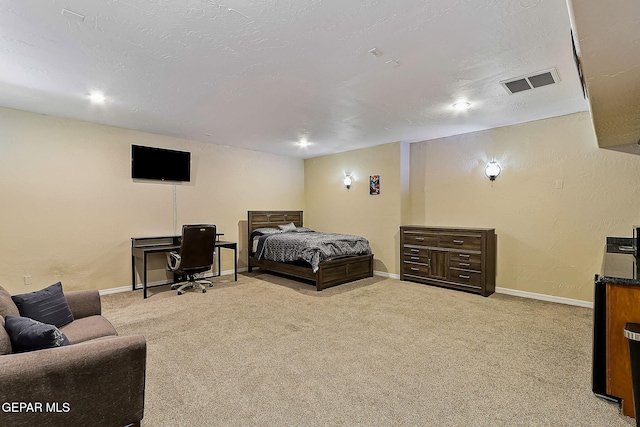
<point x="347" y="181"/>
<point x="492" y="170"/>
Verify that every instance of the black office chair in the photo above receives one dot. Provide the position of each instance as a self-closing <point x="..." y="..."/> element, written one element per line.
<point x="196" y="255"/>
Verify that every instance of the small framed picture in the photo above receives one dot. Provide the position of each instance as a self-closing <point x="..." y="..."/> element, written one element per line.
<point x="374" y="185"/>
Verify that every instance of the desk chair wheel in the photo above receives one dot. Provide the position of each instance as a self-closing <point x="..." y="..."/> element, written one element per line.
<point x="204" y="291"/>
<point x="179" y="293"/>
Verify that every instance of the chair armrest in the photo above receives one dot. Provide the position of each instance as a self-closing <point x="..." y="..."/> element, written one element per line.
<point x="173" y="261"/>
<point x="84" y="303"/>
<point x="97" y="383"/>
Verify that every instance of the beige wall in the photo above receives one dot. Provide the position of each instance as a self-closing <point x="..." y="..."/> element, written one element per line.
<point x="330" y="207"/>
<point x="550" y="240"/>
<point x="70" y="207"/>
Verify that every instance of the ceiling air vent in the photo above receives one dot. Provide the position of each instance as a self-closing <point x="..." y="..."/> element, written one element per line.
<point x="530" y="81"/>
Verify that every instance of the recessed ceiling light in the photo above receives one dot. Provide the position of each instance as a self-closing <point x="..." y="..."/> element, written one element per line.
<point x="461" y="106"/>
<point x="97" y="97"/>
<point x="303" y="142"/>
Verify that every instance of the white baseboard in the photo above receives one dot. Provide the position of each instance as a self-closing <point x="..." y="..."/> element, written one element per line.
<point x="506" y="291"/>
<point x="544" y="297"/>
<point x="139" y="285"/>
<point x="114" y="290"/>
<point x="385" y="274"/>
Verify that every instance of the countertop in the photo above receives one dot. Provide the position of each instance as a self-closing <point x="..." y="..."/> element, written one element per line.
<point x="619" y="264"/>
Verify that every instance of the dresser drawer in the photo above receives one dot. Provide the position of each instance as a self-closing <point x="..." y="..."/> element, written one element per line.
<point x="465" y="260"/>
<point x="419" y="238"/>
<point x="409" y="251"/>
<point x="416" y="258"/>
<point x="415" y="269"/>
<point x="474" y="266"/>
<point x="469" y="242"/>
<point x="465" y="277"/>
<point x="465" y="256"/>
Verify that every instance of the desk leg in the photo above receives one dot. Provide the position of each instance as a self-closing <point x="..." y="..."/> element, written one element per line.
<point x="133" y="271"/>
<point x="219" y="265"/>
<point x="235" y="263"/>
<point x="144" y="282"/>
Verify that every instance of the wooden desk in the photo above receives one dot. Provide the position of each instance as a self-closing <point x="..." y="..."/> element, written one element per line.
<point x="141" y="247"/>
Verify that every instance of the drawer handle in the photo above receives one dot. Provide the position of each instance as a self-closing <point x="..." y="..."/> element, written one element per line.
<point x="464" y="264"/>
<point x="415" y="257"/>
<point x="415" y="269"/>
<point x="458" y="242"/>
<point x="462" y="276"/>
<point x="415" y="250"/>
<point x="419" y="239"/>
<point x="464" y="256"/>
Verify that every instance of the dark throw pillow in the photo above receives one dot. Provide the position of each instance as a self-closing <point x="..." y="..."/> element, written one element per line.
<point x="28" y="334"/>
<point x="47" y="305"/>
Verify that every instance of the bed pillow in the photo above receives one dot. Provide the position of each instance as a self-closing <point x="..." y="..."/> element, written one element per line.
<point x="303" y="230"/>
<point x="266" y="230"/>
<point x="28" y="334"/>
<point x="47" y="305"/>
<point x="287" y="227"/>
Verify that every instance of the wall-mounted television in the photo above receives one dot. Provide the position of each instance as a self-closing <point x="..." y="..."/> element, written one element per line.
<point x="160" y="164"/>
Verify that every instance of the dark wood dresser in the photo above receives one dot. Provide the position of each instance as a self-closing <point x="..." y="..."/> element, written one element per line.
<point x="456" y="258"/>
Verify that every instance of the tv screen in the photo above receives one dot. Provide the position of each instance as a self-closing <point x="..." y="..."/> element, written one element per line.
<point x="160" y="164"/>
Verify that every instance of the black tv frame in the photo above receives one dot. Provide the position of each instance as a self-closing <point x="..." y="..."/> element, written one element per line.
<point x="160" y="164"/>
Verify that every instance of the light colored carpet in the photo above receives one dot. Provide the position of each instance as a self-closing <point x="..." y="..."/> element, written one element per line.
<point x="269" y="351"/>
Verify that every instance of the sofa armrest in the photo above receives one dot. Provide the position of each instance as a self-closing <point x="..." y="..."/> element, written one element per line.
<point x="84" y="303"/>
<point x="98" y="383"/>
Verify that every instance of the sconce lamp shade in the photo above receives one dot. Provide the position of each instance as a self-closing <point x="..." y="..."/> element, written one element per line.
<point x="492" y="170"/>
<point x="347" y="181"/>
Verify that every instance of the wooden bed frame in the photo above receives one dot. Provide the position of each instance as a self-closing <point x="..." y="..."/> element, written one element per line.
<point x="331" y="272"/>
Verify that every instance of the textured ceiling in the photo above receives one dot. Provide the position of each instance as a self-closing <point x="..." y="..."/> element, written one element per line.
<point x="263" y="74"/>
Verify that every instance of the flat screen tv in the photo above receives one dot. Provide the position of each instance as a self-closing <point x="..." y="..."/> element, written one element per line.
<point x="160" y="164"/>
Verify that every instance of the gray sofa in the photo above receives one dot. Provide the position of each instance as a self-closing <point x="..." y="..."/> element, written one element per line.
<point x="97" y="380"/>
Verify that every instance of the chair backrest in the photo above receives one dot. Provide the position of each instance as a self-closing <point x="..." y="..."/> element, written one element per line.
<point x="197" y="247"/>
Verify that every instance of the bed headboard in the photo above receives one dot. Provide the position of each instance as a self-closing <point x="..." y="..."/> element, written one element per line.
<point x="258" y="219"/>
<point x="272" y="219"/>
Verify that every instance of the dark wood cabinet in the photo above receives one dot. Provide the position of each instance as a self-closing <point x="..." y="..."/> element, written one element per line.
<point x="457" y="258"/>
<point x="615" y="305"/>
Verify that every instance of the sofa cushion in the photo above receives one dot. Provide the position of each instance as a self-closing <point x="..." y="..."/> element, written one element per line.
<point x="27" y="334"/>
<point x="88" y="328"/>
<point x="47" y="305"/>
<point x="5" y="341"/>
<point x="7" y="306"/>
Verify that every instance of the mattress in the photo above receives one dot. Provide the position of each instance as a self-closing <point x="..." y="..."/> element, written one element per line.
<point x="304" y="244"/>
